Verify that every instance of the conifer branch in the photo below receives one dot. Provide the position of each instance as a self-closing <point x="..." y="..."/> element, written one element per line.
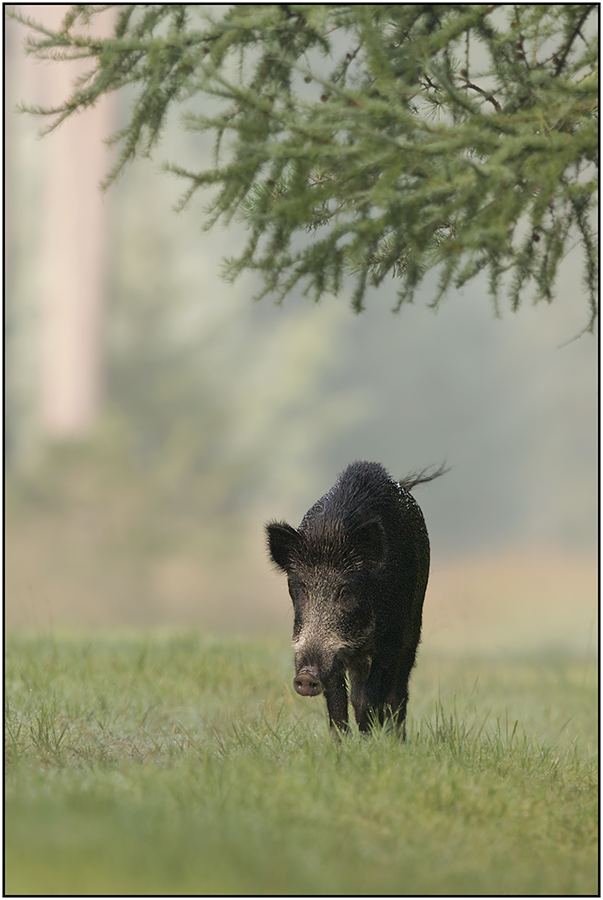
<point x="366" y="127"/>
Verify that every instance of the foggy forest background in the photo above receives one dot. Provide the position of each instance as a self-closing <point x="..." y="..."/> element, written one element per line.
<point x="149" y="440"/>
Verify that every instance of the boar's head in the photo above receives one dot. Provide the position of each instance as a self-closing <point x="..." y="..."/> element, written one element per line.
<point x="332" y="574"/>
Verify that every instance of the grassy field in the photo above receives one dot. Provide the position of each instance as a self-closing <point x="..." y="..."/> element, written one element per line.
<point x="161" y="763"/>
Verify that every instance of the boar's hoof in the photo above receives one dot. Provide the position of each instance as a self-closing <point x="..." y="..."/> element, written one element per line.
<point x="307" y="683"/>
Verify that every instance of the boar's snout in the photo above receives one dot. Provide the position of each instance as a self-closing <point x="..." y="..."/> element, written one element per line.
<point x="307" y="683"/>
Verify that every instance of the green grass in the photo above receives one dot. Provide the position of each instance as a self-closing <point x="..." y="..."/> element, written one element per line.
<point x="171" y="764"/>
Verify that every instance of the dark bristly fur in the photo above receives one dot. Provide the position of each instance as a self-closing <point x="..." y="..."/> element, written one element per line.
<point x="357" y="568"/>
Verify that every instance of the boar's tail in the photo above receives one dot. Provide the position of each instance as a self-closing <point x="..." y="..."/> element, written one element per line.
<point x="423" y="476"/>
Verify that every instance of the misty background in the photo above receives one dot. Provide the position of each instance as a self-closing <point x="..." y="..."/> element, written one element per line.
<point x="156" y="416"/>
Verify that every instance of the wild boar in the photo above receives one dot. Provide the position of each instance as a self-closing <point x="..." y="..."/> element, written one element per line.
<point x="357" y="568"/>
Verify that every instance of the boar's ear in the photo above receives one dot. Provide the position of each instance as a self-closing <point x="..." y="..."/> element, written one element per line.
<point x="282" y="541"/>
<point x="368" y="541"/>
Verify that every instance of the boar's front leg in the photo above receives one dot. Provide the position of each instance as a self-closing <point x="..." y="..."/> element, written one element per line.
<point x="336" y="695"/>
<point x="359" y="673"/>
<point x="379" y="696"/>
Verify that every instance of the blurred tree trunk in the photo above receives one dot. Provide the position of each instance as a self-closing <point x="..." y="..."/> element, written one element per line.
<point x="73" y="234"/>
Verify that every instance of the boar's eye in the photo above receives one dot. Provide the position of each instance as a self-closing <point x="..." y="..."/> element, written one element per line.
<point x="345" y="594"/>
